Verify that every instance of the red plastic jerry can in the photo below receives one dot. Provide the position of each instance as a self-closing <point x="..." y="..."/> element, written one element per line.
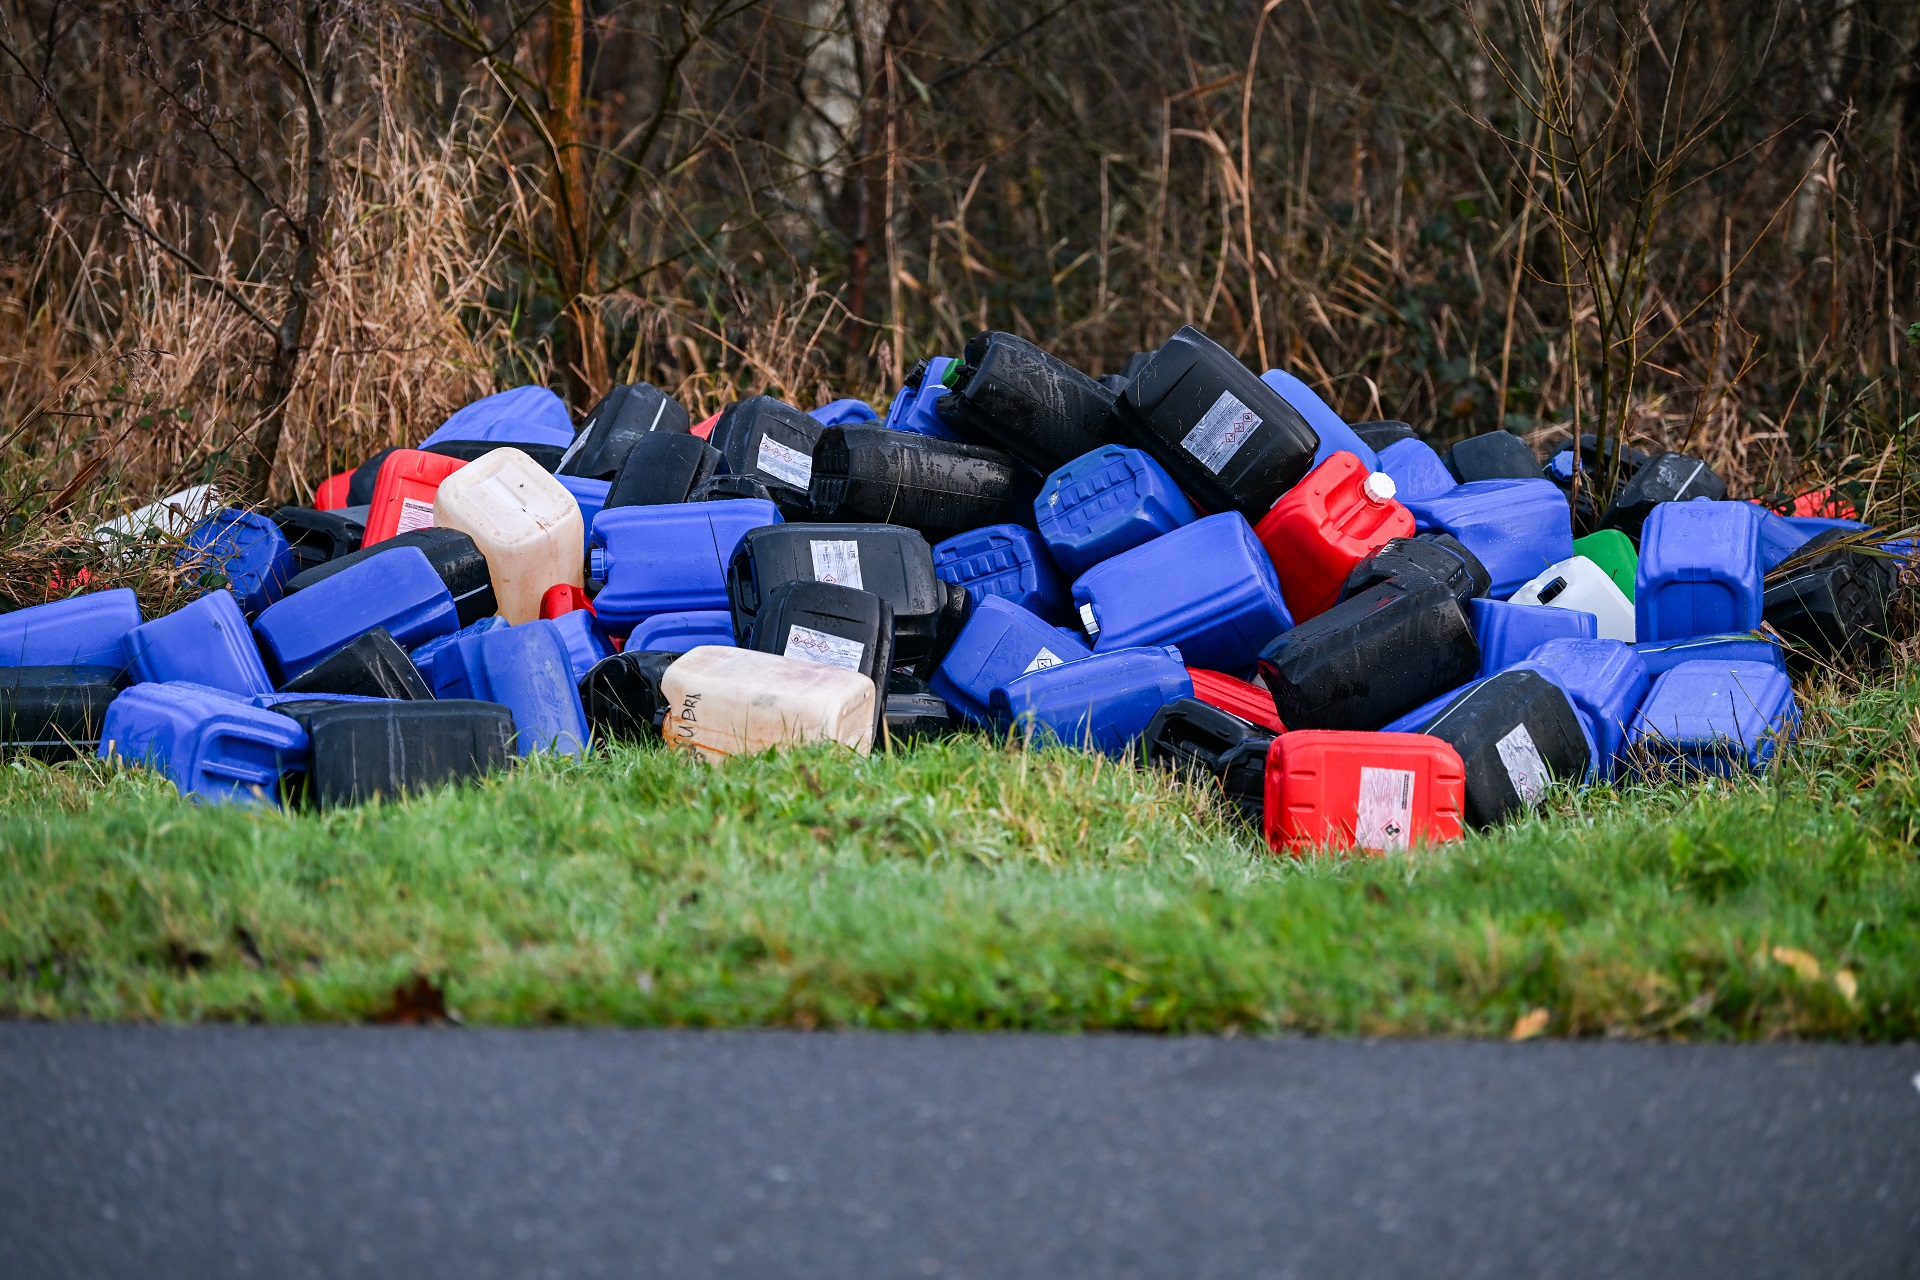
<point x="1332" y="520"/>
<point x="563" y="598"/>
<point x="403" y="495"/>
<point x="332" y="493"/>
<point x="1382" y="792"/>
<point x="1236" y="697"/>
<point x="704" y="428"/>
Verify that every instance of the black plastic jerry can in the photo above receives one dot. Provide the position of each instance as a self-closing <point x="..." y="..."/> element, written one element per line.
<point x="1012" y="395"/>
<point x="1439" y="556"/>
<point x="546" y="456"/>
<point x="773" y="442"/>
<point x="1494" y="455"/>
<point x="1382" y="432"/>
<point x="373" y="666"/>
<point x="832" y="625"/>
<point x="728" y="488"/>
<point x="1670" y="477"/>
<point x="319" y="536"/>
<point x="55" y="713"/>
<point x="622" y="695"/>
<point x="455" y="557"/>
<point x="361" y="751"/>
<point x="1373" y="657"/>
<point x="893" y="563"/>
<point x="625" y="416"/>
<point x="1191" y="736"/>
<point x="939" y="487"/>
<point x="914" y="712"/>
<point x="1832" y="601"/>
<point x="1518" y="734"/>
<point x="661" y="469"/>
<point x="1227" y="438"/>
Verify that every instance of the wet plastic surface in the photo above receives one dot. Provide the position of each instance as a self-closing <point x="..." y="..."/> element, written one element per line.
<point x="1382" y="792"/>
<point x="1436" y="557"/>
<point x="1229" y="439"/>
<point x="205" y="643"/>
<point x="372" y="666"/>
<point x="1699" y="570"/>
<point x="1012" y="395"/>
<point x="451" y="554"/>
<point x="81" y="631"/>
<point x="661" y="469"/>
<point x="363" y="751"/>
<point x="668" y="559"/>
<point x="1516" y="527"/>
<point x="772" y="442"/>
<point x="1000" y="643"/>
<point x="1606" y="680"/>
<point x="1196" y="738"/>
<point x="1508" y="633"/>
<point x="832" y="625"/>
<point x="626" y="415"/>
<point x="1517" y="734"/>
<point x="1207" y="587"/>
<point x="396" y="589"/>
<point x="939" y="487"/>
<point x="1006" y="560"/>
<point x="1371" y="658"/>
<point x="1326" y="525"/>
<point x="207" y="744"/>
<point x="55" y="713"/>
<point x="1105" y="502"/>
<point x="1104" y="702"/>
<point x="912" y="408"/>
<point x="1715" y="717"/>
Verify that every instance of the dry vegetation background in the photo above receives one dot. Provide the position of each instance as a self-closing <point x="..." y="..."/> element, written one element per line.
<point x="255" y="241"/>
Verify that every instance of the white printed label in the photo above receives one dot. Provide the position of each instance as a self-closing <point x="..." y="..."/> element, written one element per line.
<point x="789" y="466"/>
<point x="1087" y="622"/>
<point x="1385" y="817"/>
<point x="839" y="562"/>
<point x="414" y="514"/>
<point x="1042" y="660"/>
<point x="809" y="645"/>
<point x="1525" y="769"/>
<point x="1220" y="433"/>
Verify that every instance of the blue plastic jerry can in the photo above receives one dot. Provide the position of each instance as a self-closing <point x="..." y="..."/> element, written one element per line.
<point x="1662" y="656"/>
<point x="1104" y="702"/>
<point x="585" y="642"/>
<point x="1105" y="502"/>
<point x="1006" y="560"/>
<point x="1717" y="717"/>
<point x="208" y="745"/>
<point x="1000" y="643"/>
<point x="667" y="559"/>
<point x="1335" y="435"/>
<point x="243" y="551"/>
<point x="844" y="412"/>
<point x="591" y="495"/>
<point x="1421" y="716"/>
<point x="1508" y="633"/>
<point x="679" y="632"/>
<point x="270" y="700"/>
<point x="1813" y="525"/>
<point x="1700" y="571"/>
<point x="426" y="656"/>
<point x="1207" y="587"/>
<point x="207" y="642"/>
<point x="1779" y="538"/>
<point x="81" y="631"/>
<point x="912" y="407"/>
<point x="1516" y="527"/>
<point x="1606" y="681"/>
<point x="526" y="669"/>
<point x="524" y="415"/>
<point x="1418" y="472"/>
<point x="396" y="589"/>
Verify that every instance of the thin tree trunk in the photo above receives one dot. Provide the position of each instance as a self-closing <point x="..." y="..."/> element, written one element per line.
<point x="583" y="353"/>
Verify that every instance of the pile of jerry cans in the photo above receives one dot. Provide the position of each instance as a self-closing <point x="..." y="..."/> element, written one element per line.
<point x="1367" y="643"/>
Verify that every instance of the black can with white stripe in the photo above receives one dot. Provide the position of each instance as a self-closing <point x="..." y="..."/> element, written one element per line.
<point x="625" y="416"/>
<point x="1671" y="477"/>
<point x="1227" y="438"/>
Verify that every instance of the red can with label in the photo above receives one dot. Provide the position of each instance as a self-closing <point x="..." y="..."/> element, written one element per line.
<point x="1332" y="520"/>
<point x="403" y="495"/>
<point x="1379" y="792"/>
<point x="1236" y="697"/>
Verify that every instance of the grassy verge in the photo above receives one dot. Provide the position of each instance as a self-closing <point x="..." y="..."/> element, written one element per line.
<point x="960" y="885"/>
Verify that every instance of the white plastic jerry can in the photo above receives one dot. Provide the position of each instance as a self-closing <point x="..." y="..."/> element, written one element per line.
<point x="731" y="702"/>
<point x="523" y="520"/>
<point x="1580" y="584"/>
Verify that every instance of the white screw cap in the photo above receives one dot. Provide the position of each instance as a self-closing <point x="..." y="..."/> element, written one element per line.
<point x="1379" y="487"/>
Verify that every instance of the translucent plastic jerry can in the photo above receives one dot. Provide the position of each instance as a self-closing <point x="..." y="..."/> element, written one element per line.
<point x="1006" y="560"/>
<point x="522" y="415"/>
<point x="731" y="702"/>
<point x="1516" y="527"/>
<point x="396" y="589"/>
<point x="205" y="643"/>
<point x="1000" y="643"/>
<point x="936" y="486"/>
<point x="80" y="631"/>
<point x="170" y="517"/>
<point x="1010" y="394"/>
<point x="1226" y="437"/>
<point x="208" y="745"/>
<point x="668" y="559"/>
<point x="679" y="632"/>
<point x="1582" y="586"/>
<point x="1517" y="734"/>
<point x="1105" y="502"/>
<point x="1606" y="681"/>
<point x="525" y="523"/>
<point x="1103" y="703"/>
<point x="243" y="551"/>
<point x="1508" y="633"/>
<point x="1699" y="570"/>
<point x="912" y="408"/>
<point x="1717" y="718"/>
<point x="1335" y="435"/>
<point x="1377" y="792"/>
<point x="1324" y="526"/>
<point x="1207" y="587"/>
<point x="1416" y="469"/>
<point x="624" y="416"/>
<point x="403" y="494"/>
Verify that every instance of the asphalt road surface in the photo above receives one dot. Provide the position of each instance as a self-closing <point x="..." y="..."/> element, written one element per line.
<point x="232" y="1151"/>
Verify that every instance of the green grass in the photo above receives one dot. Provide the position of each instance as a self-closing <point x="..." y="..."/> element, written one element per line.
<point x="963" y="885"/>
